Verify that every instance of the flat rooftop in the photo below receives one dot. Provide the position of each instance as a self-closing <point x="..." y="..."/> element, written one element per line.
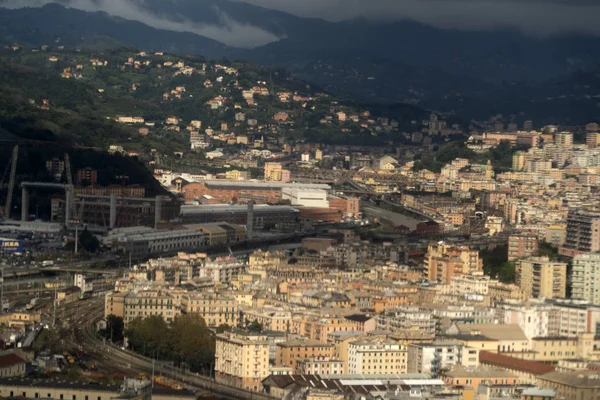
<point x="221" y="208"/>
<point x="234" y="185"/>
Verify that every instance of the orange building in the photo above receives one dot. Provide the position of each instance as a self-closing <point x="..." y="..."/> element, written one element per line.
<point x="290" y="352"/>
<point x="473" y="377"/>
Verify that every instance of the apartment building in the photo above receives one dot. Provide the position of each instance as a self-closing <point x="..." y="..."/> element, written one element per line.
<point x="274" y="171"/>
<point x="441" y="354"/>
<point x="241" y="359"/>
<point x="571" y="385"/>
<point x="376" y="356"/>
<point x="319" y="328"/>
<point x="290" y="352"/>
<point x="443" y="261"/>
<point x="319" y="366"/>
<point x="87" y="176"/>
<point x="473" y="377"/>
<point x="522" y="245"/>
<point x="534" y="317"/>
<point x="114" y="304"/>
<point x="592" y="140"/>
<point x="405" y="316"/>
<point x="147" y="303"/>
<point x="463" y="285"/>
<point x="540" y="277"/>
<point x="216" y="309"/>
<point x="222" y="269"/>
<point x="272" y="318"/>
<point x="586" y="277"/>
<point x="556" y="234"/>
<point x="553" y="349"/>
<point x="583" y="232"/>
<point x="573" y="317"/>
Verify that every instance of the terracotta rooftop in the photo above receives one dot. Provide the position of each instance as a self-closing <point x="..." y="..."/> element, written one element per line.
<point x="500" y="360"/>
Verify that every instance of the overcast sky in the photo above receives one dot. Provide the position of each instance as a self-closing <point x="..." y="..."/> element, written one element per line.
<point x="539" y="17"/>
<point x="536" y="17"/>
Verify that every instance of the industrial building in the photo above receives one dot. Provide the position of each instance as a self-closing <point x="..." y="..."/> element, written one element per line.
<point x="109" y="212"/>
<point x="228" y="191"/>
<point x="316" y="198"/>
<point x="264" y="216"/>
<point x="142" y="242"/>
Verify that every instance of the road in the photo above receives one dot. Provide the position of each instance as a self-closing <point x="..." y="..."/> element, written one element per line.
<point x="80" y="318"/>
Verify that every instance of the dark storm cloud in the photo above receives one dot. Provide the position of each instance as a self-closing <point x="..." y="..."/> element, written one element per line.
<point x="536" y="17"/>
<point x="539" y="17"/>
<point x="228" y="30"/>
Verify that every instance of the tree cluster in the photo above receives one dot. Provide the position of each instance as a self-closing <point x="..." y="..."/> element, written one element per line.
<point x="186" y="340"/>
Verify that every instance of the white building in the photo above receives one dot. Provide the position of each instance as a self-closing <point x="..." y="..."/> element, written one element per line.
<point x="82" y="283"/>
<point x="586" y="277"/>
<point x="533" y="317"/>
<point x="407" y="316"/>
<point x="305" y="157"/>
<point x="376" y="356"/>
<point x="315" y="198"/>
<point x="464" y="285"/>
<point x="574" y="317"/>
<point x="442" y="354"/>
<point x="222" y="270"/>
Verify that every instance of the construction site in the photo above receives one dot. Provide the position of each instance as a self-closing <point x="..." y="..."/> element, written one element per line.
<point x="71" y="205"/>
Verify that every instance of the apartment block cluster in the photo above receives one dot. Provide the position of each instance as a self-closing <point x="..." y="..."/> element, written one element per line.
<point x="340" y="314"/>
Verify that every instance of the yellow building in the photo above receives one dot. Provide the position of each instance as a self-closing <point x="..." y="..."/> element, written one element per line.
<point x="242" y="359"/>
<point x="377" y="356"/>
<point x="272" y="319"/>
<point x="114" y="304"/>
<point x="237" y="175"/>
<point x="290" y="352"/>
<point x="150" y="303"/>
<point x="552" y="349"/>
<point x="19" y="319"/>
<point x="540" y="277"/>
<point x="556" y="235"/>
<point x="444" y="261"/>
<point x="319" y="328"/>
<point x="571" y="386"/>
<point x="496" y="338"/>
<point x="214" y="308"/>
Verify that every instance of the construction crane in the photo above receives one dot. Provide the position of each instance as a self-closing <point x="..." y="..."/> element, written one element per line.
<point x="11" y="182"/>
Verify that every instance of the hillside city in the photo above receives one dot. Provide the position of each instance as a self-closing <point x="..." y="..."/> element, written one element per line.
<point x="179" y="228"/>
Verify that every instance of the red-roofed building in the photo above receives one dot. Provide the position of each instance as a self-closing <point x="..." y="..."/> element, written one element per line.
<point x="526" y="370"/>
<point x="11" y="365"/>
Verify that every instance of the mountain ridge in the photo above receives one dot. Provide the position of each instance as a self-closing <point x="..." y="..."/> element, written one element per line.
<point x="463" y="73"/>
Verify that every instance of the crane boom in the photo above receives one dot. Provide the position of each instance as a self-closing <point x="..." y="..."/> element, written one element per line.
<point x="68" y="169"/>
<point x="11" y="182"/>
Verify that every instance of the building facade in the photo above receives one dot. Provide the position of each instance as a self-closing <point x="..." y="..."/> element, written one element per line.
<point x="540" y="277"/>
<point x="586" y="277"/>
<point x="242" y="359"/>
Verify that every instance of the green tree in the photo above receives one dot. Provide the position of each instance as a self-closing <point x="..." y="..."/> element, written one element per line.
<point x="255" y="326"/>
<point x="150" y="336"/>
<point x="506" y="272"/>
<point x="546" y="249"/>
<point x="88" y="241"/>
<point x="46" y="340"/>
<point x="192" y="342"/>
<point x="114" y="329"/>
<point x="223" y="328"/>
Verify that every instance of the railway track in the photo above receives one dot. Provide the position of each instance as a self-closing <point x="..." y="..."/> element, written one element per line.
<point x="82" y="337"/>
